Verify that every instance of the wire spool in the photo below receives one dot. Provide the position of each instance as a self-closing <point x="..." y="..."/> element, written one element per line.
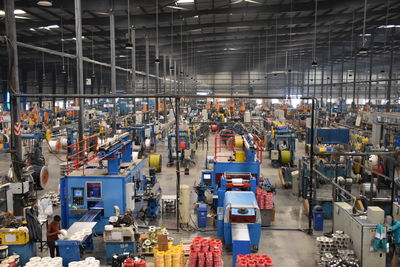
<point x="238" y="141"/>
<point x="155" y="162"/>
<point x="3" y="252"/>
<point x="135" y="155"/>
<point x="373" y="160"/>
<point x="285" y="157"/>
<point x="44" y="176"/>
<point x="214" y="128"/>
<point x="64" y="141"/>
<point x="55" y="146"/>
<point x="240" y="156"/>
<point x="147" y="143"/>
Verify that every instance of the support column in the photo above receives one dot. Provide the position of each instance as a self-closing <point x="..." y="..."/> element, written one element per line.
<point x="133" y="55"/>
<point x="113" y="69"/>
<point x="79" y="66"/>
<point x="13" y="86"/>
<point x="371" y="58"/>
<point x="354" y="82"/>
<point x="389" y="87"/>
<point x="322" y="84"/>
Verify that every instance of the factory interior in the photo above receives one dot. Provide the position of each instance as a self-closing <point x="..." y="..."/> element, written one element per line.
<point x="200" y="133"/>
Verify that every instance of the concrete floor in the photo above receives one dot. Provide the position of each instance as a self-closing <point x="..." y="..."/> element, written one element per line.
<point x="286" y="245"/>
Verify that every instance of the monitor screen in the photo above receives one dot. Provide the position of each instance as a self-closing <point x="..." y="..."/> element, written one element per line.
<point x="78" y="192"/>
<point x="93" y="189"/>
<point x="207" y="176"/>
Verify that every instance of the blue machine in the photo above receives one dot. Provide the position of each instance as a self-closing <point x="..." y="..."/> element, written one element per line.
<point x="183" y="137"/>
<point x="239" y="222"/>
<point x="94" y="192"/>
<point x="282" y="140"/>
<point x="25" y="251"/>
<point x="330" y="136"/>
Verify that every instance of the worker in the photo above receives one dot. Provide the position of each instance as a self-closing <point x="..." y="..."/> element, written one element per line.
<point x="52" y="235"/>
<point x="396" y="238"/>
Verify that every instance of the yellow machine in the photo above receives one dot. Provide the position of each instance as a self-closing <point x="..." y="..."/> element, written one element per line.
<point x="12" y="236"/>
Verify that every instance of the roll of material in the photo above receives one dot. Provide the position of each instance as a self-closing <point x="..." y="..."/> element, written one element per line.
<point x="135" y="155"/>
<point x="237" y="181"/>
<point x="55" y="145"/>
<point x="64" y="142"/>
<point x="155" y="162"/>
<point x="240" y="156"/>
<point x="285" y="156"/>
<point x="238" y="141"/>
<point x="373" y="160"/>
<point x="44" y="176"/>
<point x="147" y="143"/>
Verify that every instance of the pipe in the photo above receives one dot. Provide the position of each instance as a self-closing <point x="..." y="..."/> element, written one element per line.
<point x="113" y="69"/>
<point x="311" y="184"/>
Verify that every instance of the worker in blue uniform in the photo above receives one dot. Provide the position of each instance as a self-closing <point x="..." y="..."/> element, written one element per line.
<point x="396" y="238"/>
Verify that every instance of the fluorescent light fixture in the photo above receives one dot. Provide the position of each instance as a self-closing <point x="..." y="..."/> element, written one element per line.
<point x="367" y="34"/>
<point x="74" y="38"/>
<point x="184" y="1"/>
<point x="230" y="49"/>
<point x="238" y="27"/>
<point x="196" y="16"/>
<point x="122" y="56"/>
<point x="178" y="7"/>
<point x="46" y="3"/>
<point x="222" y="100"/>
<point x="49" y="27"/>
<point x="259" y="101"/>
<point x="202" y="93"/>
<point x="32" y="29"/>
<point x="16" y="12"/>
<point x="388" y="26"/>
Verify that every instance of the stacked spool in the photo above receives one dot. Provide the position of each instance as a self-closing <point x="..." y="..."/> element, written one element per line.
<point x="205" y="253"/>
<point x="173" y="257"/>
<point x="88" y="262"/>
<point x="265" y="199"/>
<point x="253" y="260"/>
<point x="46" y="261"/>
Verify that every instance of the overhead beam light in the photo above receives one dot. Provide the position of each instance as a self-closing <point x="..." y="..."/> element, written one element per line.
<point x="46" y="3"/>
<point x="16" y="12"/>
<point x="390" y="26"/>
<point x="184" y="1"/>
<point x="49" y="27"/>
<point x="178" y="7"/>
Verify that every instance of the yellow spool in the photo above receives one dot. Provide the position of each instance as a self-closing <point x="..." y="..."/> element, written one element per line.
<point x="48" y="135"/>
<point x="238" y="141"/>
<point x="285" y="156"/>
<point x="240" y="156"/>
<point x="168" y="259"/>
<point x="155" y="162"/>
<point x="365" y="140"/>
<point x="322" y="149"/>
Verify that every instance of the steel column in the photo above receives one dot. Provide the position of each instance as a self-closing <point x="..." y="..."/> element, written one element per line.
<point x="133" y="56"/>
<point x="178" y="173"/>
<point x="371" y="57"/>
<point x="79" y="66"/>
<point x="389" y="86"/>
<point x="113" y="70"/>
<point x="13" y="86"/>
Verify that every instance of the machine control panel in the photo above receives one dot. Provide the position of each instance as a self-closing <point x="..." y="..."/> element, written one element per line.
<point x="77" y="196"/>
<point x="206" y="178"/>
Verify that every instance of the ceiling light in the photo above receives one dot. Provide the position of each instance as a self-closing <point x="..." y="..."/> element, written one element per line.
<point x="196" y="16"/>
<point x="178" y="7"/>
<point x="121" y="56"/>
<point x="184" y="1"/>
<point x="202" y="93"/>
<point x="129" y="46"/>
<point x="74" y="38"/>
<point x="388" y="26"/>
<point x="157" y="60"/>
<point x="46" y="3"/>
<point x="367" y="34"/>
<point x="49" y="27"/>
<point x="16" y="12"/>
<point x="32" y="29"/>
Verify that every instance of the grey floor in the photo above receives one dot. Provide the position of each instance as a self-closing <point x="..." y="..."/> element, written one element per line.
<point x="286" y="245"/>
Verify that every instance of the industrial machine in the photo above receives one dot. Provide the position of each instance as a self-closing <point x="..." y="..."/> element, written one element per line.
<point x="281" y="146"/>
<point x="362" y="231"/>
<point x="108" y="177"/>
<point x="239" y="222"/>
<point x="184" y="144"/>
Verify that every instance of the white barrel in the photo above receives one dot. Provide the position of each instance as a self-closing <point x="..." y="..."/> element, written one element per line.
<point x="184" y="204"/>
